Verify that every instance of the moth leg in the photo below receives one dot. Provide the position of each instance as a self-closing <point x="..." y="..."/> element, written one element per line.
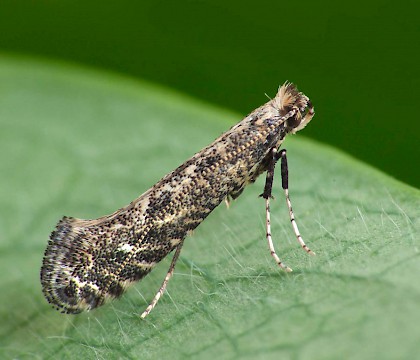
<point x="267" y="196"/>
<point x="165" y="281"/>
<point x="285" y="186"/>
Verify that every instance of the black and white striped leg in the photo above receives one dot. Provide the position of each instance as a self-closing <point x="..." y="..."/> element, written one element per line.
<point x="165" y="281"/>
<point x="285" y="185"/>
<point x="267" y="196"/>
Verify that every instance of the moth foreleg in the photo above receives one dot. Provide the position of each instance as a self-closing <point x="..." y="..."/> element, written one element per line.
<point x="285" y="186"/>
<point x="267" y="195"/>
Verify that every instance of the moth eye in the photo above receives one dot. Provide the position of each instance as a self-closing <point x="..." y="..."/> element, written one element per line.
<point x="294" y="120"/>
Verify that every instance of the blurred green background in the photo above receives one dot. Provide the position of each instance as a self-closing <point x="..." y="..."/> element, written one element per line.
<point x="357" y="61"/>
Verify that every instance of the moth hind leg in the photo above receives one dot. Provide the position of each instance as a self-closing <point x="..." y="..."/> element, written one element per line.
<point x="165" y="281"/>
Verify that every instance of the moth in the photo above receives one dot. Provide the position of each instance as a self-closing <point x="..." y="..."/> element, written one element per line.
<point x="88" y="262"/>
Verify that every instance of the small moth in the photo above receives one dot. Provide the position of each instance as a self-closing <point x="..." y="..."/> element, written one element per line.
<point x="90" y="261"/>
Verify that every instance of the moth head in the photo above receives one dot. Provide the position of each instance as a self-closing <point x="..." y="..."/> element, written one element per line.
<point x="293" y="107"/>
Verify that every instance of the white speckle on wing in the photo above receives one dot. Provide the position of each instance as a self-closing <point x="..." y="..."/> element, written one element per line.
<point x="125" y="247"/>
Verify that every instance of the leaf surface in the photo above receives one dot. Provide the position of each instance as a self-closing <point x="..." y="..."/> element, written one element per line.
<point x="82" y="143"/>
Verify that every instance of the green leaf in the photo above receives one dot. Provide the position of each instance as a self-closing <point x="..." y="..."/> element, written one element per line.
<point x="82" y="143"/>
